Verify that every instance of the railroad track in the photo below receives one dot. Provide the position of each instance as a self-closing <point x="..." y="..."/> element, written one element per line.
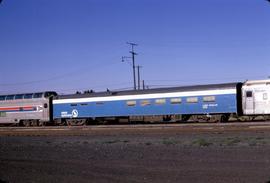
<point x="138" y="128"/>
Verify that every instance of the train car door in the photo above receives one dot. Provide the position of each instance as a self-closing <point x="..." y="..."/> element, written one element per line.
<point x="47" y="109"/>
<point x="249" y="102"/>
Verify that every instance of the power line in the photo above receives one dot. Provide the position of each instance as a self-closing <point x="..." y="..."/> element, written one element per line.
<point x="112" y="87"/>
<point x="79" y="72"/>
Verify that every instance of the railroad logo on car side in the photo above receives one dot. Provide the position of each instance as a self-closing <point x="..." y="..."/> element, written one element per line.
<point x="75" y="113"/>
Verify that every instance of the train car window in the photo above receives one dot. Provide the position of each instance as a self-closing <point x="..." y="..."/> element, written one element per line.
<point x="192" y="100"/>
<point x="19" y="96"/>
<point x="131" y="103"/>
<point x="249" y="94"/>
<point x="99" y="103"/>
<point x="47" y="94"/>
<point x="50" y="94"/>
<point x="160" y="101"/>
<point x="73" y="105"/>
<point x="176" y="100"/>
<point x="145" y="102"/>
<point x="265" y="97"/>
<point x="10" y="97"/>
<point x="2" y="114"/>
<point x="2" y="97"/>
<point x="28" y="96"/>
<point x="83" y="104"/>
<point x="209" y="99"/>
<point x="37" y="95"/>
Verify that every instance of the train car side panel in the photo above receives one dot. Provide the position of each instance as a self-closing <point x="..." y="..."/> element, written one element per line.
<point x="208" y="102"/>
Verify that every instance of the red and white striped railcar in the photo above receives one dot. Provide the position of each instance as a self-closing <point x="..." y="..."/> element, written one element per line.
<point x="26" y="109"/>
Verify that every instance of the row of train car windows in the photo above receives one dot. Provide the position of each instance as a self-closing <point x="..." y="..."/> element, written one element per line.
<point x="249" y="95"/>
<point x="160" y="101"/>
<point x="172" y="101"/>
<point x="21" y="96"/>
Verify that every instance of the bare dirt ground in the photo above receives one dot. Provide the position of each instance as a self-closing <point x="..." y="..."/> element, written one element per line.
<point x="137" y="156"/>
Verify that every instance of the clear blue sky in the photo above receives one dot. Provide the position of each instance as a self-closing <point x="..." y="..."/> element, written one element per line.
<point x="69" y="45"/>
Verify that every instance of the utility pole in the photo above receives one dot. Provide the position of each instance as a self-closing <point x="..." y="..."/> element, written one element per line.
<point x="139" y="77"/>
<point x="133" y="62"/>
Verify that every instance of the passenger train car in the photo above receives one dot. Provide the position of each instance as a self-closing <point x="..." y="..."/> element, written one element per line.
<point x="216" y="102"/>
<point x="30" y="109"/>
<point x="256" y="97"/>
<point x="207" y="103"/>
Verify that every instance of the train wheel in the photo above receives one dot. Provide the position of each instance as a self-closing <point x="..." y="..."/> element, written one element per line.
<point x="76" y="122"/>
<point x="34" y="123"/>
<point x="40" y="123"/>
<point x="224" y="118"/>
<point x="26" y="123"/>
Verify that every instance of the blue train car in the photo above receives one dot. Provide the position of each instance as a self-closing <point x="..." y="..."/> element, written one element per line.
<point x="191" y="100"/>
